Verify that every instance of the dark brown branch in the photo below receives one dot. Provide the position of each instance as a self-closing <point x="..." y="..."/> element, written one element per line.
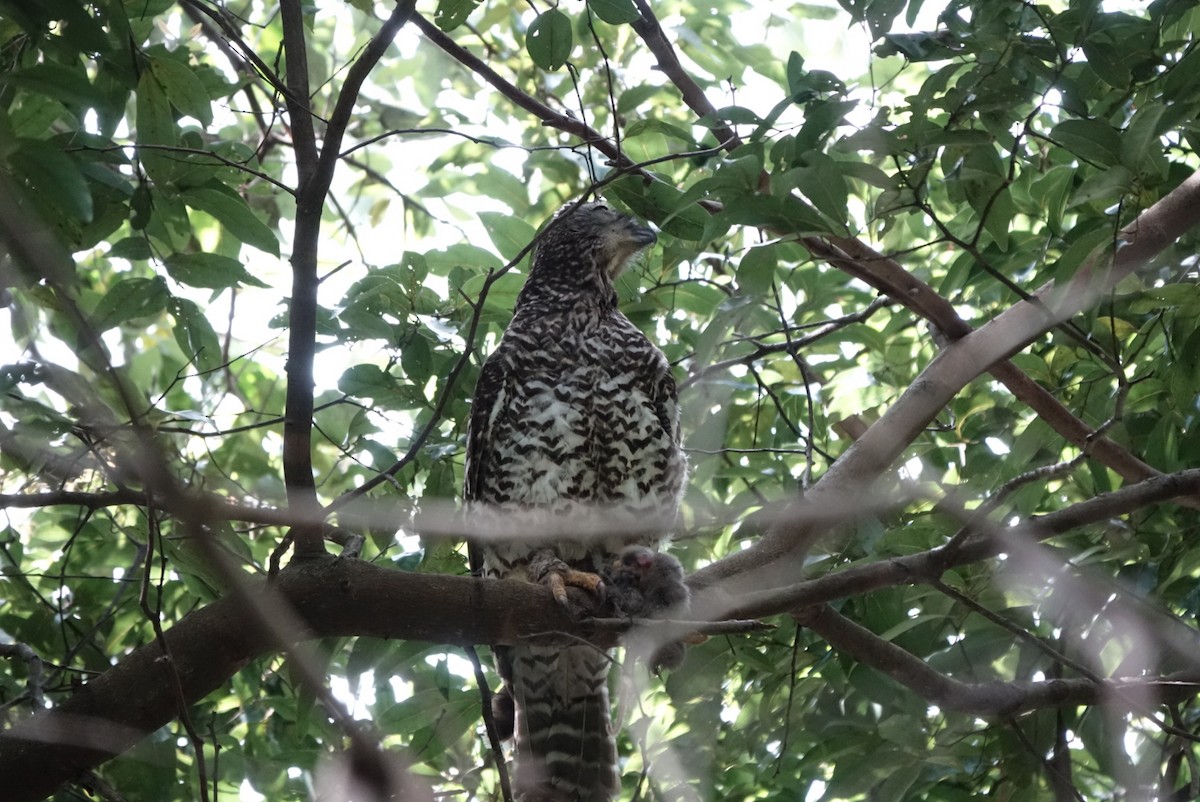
<point x="315" y="172"/>
<point x="330" y="597"/>
<point x="676" y="627"/>
<point x="302" y="306"/>
<point x="652" y="34"/>
<point x="216" y="508"/>
<point x="338" y="598"/>
<point x="489" y="723"/>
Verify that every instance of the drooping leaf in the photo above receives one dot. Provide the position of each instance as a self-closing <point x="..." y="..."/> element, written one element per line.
<point x="195" y="334"/>
<point x="615" y="12"/>
<point x="54" y="176"/>
<point x="452" y="13"/>
<point x="509" y="234"/>
<point x="232" y="213"/>
<point x="549" y="39"/>
<point x="210" y="270"/>
<point x="156" y="129"/>
<point x="182" y="88"/>
<point x="129" y="299"/>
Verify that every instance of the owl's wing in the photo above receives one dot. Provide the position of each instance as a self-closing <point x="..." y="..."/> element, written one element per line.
<point x="489" y="391"/>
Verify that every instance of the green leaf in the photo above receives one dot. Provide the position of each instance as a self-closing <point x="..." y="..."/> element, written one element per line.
<point x="182" y="88"/>
<point x="1141" y="138"/>
<point x="135" y="249"/>
<point x="756" y="271"/>
<point x="1090" y="139"/>
<point x="1107" y="61"/>
<point x="233" y="213"/>
<point x="822" y="183"/>
<point x="999" y="214"/>
<point x="366" y="381"/>
<point x="635" y="96"/>
<point x="209" y="270"/>
<point x="452" y="13"/>
<point x="779" y="214"/>
<point x="195" y="334"/>
<point x="1105" y="186"/>
<point x="416" y="358"/>
<point x="549" y="40"/>
<point x="156" y="128"/>
<point x="53" y="176"/>
<point x="644" y="126"/>
<point x="795" y="73"/>
<point x="1051" y="191"/>
<point x="615" y="12"/>
<point x="129" y="299"/>
<point x="64" y="84"/>
<point x="509" y="234"/>
<point x="663" y="205"/>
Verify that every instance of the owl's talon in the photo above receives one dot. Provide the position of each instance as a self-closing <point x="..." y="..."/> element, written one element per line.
<point x="558" y="576"/>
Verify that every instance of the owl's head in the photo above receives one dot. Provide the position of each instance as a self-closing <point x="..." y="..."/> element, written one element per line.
<point x="590" y="241"/>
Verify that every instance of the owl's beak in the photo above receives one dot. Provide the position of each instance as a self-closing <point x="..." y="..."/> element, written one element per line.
<point x="642" y="236"/>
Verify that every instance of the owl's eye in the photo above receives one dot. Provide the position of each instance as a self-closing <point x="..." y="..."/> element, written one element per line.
<point x="602" y="207"/>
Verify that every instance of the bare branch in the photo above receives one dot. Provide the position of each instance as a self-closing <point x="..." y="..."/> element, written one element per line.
<point x="315" y="172"/>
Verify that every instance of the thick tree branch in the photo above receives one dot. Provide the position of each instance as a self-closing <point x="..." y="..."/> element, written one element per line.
<point x="341" y="598"/>
<point x="331" y="597"/>
<point x="302" y="306"/>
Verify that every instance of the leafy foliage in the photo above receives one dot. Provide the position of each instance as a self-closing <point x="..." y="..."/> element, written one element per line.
<point x="155" y="185"/>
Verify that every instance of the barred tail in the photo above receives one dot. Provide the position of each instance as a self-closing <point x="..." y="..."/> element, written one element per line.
<point x="565" y="748"/>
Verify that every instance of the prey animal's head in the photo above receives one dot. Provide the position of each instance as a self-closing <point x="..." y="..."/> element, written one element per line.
<point x="588" y="243"/>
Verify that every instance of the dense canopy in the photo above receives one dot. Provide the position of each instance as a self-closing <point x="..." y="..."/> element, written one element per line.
<point x="926" y="276"/>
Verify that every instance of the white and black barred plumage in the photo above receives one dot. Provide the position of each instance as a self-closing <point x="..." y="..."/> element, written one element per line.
<point x="573" y="453"/>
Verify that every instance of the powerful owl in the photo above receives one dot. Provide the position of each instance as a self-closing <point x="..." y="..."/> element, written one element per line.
<point x="573" y="454"/>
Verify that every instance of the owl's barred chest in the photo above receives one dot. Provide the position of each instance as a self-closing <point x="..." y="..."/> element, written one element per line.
<point x="581" y="412"/>
<point x="583" y="434"/>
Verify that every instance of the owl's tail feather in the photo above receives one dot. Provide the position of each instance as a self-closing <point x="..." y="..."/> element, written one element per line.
<point x="565" y="747"/>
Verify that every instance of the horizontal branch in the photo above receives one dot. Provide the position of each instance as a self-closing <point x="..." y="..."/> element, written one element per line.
<point x="343" y="598"/>
<point x="330" y="597"/>
<point x="676" y="627"/>
<point x="214" y="507"/>
<point x="996" y="698"/>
